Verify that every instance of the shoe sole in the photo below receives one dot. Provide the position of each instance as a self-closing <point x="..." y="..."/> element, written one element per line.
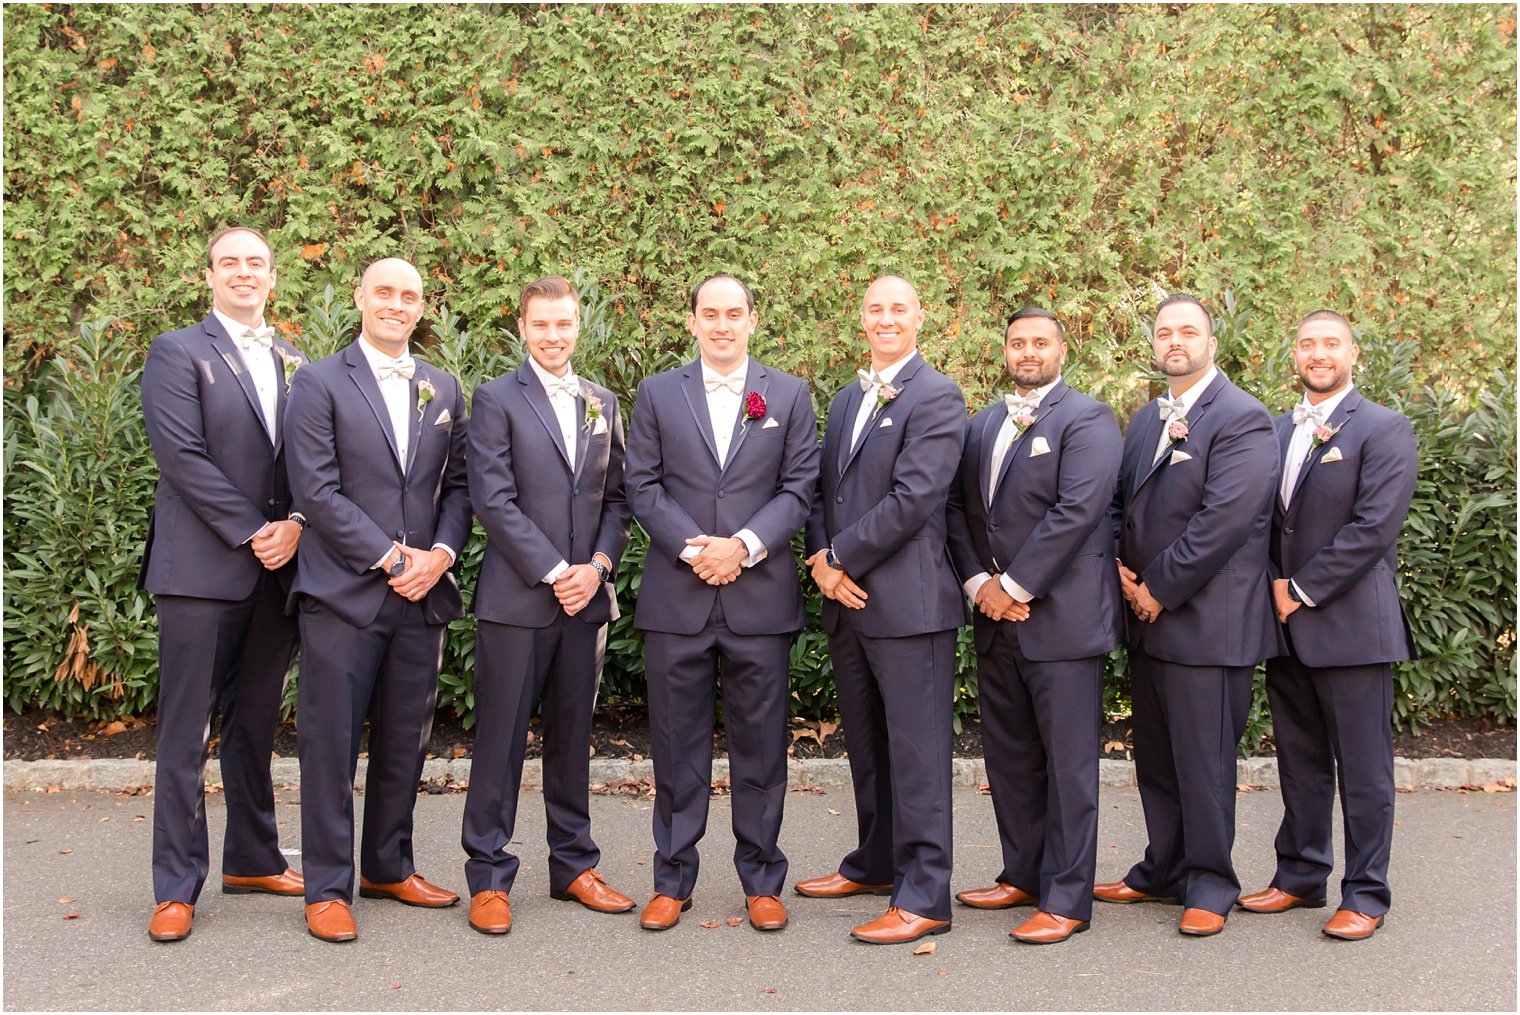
<point x="905" y="941"/>
<point x="666" y="926"/>
<point x="245" y="890"/>
<point x="1079" y="929"/>
<point x="1354" y="937"/>
<point x="567" y="897"/>
<point x="167" y="938"/>
<point x="769" y="926"/>
<point x="1297" y="905"/>
<point x="866" y="890"/>
<point x="1200" y="933"/>
<point x="490" y="930"/>
<point x="370" y="893"/>
<point x="1170" y="900"/>
<point x="333" y="940"/>
<point x="983" y="906"/>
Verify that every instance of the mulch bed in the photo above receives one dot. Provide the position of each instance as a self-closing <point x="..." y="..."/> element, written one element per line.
<point x="623" y="732"/>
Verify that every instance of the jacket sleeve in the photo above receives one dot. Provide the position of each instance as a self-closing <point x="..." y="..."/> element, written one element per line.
<point x="454" y="515"/>
<point x="612" y="535"/>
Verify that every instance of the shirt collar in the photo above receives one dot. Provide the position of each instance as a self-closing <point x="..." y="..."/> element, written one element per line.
<point x="546" y="378"/>
<point x="709" y="374"/>
<point x="233" y="328"/>
<point x="376" y="358"/>
<point x="1190" y="396"/>
<point x="1329" y="405"/>
<point x="890" y="373"/>
<point x="1038" y="394"/>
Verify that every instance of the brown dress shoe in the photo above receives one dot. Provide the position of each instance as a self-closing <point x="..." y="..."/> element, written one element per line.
<point x="837" y="886"/>
<point x="1271" y="900"/>
<point x="491" y="912"/>
<point x="330" y="920"/>
<point x="1047" y="929"/>
<point x="1200" y="923"/>
<point x="897" y="927"/>
<point x="414" y="891"/>
<point x="592" y="892"/>
<point x="1346" y="924"/>
<point x="288" y="883"/>
<point x="765" y="912"/>
<point x="999" y="896"/>
<point x="663" y="912"/>
<point x="1118" y="891"/>
<point x="170" y="921"/>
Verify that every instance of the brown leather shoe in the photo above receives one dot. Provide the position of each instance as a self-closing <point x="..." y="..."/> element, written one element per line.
<point x="592" y="892"/>
<point x="1047" y="929"/>
<point x="837" y="886"/>
<point x="414" y="891"/>
<point x="288" y="883"/>
<point x="170" y="921"/>
<point x="491" y="912"/>
<point x="1346" y="924"/>
<point x="1271" y="900"/>
<point x="1200" y="923"/>
<point x="1118" y="891"/>
<point x="330" y="920"/>
<point x="999" y="896"/>
<point x="766" y="912"/>
<point x="898" y="927"/>
<point x="663" y="912"/>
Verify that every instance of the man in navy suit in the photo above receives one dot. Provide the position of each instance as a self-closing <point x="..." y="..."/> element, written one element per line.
<point x="377" y="464"/>
<point x="877" y="548"/>
<point x="1348" y="469"/>
<point x="1029" y="531"/>
<point x="722" y="461"/>
<point x="219" y="558"/>
<point x="1191" y="516"/>
<point x="546" y="481"/>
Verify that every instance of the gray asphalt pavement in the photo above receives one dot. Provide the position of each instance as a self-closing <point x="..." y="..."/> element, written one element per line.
<point x="1449" y="944"/>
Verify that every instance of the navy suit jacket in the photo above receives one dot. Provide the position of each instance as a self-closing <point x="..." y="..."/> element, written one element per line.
<point x="1337" y="538"/>
<point x="536" y="509"/>
<point x="1048" y="524"/>
<point x="1195" y="530"/>
<point x="220" y="476"/>
<point x="882" y="505"/>
<point x="678" y="491"/>
<point x="344" y="476"/>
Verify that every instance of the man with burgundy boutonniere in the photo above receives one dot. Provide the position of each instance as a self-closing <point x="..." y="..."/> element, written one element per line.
<point x="377" y="464"/>
<point x="1029" y="534"/>
<point x="219" y="560"/>
<point x="1348" y="468"/>
<point x="546" y="481"/>
<point x="877" y="548"/>
<point x="1191" y="517"/>
<point x="722" y="461"/>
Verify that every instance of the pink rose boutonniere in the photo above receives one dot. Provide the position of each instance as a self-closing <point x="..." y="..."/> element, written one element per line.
<point x="885" y="394"/>
<point x="425" y="394"/>
<point x="593" y="410"/>
<point x="1322" y="434"/>
<point x="1177" y="430"/>
<point x="291" y="363"/>
<point x="1024" y="422"/>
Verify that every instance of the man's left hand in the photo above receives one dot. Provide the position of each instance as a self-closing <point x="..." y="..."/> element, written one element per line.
<point x="575" y="586"/>
<point x="423" y="569"/>
<point x="721" y="558"/>
<point x="1286" y="604"/>
<point x="1145" y="605"/>
<point x="276" y="545"/>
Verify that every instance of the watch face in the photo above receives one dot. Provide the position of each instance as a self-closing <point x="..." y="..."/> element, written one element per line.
<point x="399" y="567"/>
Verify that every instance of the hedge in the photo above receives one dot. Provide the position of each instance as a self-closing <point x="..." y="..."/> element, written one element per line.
<point x="1270" y="159"/>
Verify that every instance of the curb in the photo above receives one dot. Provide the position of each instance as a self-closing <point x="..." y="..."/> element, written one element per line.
<point x="1252" y="773"/>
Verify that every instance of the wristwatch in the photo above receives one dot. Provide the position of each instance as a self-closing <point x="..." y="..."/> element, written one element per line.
<point x="298" y="518"/>
<point x="397" y="569"/>
<point x="1293" y="592"/>
<point x="832" y="561"/>
<point x="602" y="571"/>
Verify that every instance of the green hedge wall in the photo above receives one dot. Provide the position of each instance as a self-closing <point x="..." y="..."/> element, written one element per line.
<point x="1086" y="157"/>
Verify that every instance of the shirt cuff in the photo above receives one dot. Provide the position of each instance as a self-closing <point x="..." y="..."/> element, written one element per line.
<point x="262" y="529"/>
<point x="379" y="565"/>
<point x="555" y="572"/>
<point x="971" y="586"/>
<point x="757" y="550"/>
<point x="690" y="553"/>
<point x="1014" y="589"/>
<point x="446" y="548"/>
<point x="1305" y="599"/>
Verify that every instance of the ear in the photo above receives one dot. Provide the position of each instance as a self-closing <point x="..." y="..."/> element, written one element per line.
<point x="691" y="323"/>
<point x="359" y="296"/>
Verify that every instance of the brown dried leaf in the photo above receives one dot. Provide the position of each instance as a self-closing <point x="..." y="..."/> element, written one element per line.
<point x="833" y="812"/>
<point x="709" y="924"/>
<point x="71" y="916"/>
<point x="66" y="900"/>
<point x="927" y="948"/>
<point x="1112" y="746"/>
<point x="458" y="751"/>
<point x="114" y="728"/>
<point x="734" y="921"/>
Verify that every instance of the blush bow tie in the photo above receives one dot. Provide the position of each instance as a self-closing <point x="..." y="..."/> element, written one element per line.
<point x="733" y="384"/>
<point x="870" y="380"/>
<point x="403" y="367"/>
<point x="1171" y="408"/>
<point x="255" y="338"/>
<point x="1312" y="413"/>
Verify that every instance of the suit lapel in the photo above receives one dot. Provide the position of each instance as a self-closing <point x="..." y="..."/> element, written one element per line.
<point x="415" y="408"/>
<point x="538" y="400"/>
<point x="1047" y="406"/>
<point x="1150" y="433"/>
<point x="756" y="379"/>
<point x="1195" y="413"/>
<point x="1284" y="427"/>
<point x="1337" y="420"/>
<point x="696" y="401"/>
<point x="991" y="427"/>
<point x="880" y="411"/>
<point x="849" y="406"/>
<point x="281" y="393"/>
<point x="364" y="378"/>
<point x="229" y="351"/>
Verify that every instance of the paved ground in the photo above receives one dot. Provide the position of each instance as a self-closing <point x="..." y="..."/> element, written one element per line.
<point x="1450" y="942"/>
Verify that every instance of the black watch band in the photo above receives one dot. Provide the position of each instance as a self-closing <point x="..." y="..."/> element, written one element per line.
<point x="397" y="569"/>
<point x="1293" y="592"/>
<point x="298" y="518"/>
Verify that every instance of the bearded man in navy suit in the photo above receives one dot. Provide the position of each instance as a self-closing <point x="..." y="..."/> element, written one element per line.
<point x="1029" y="533"/>
<point x="877" y="547"/>
<point x="219" y="560"/>
<point x="722" y="461"/>
<point x="1191" y="517"/>
<point x="546" y="482"/>
<point x="377" y="464"/>
<point x="1348" y="468"/>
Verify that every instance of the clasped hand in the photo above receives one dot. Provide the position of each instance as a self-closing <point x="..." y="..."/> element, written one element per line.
<point x="994" y="601"/>
<point x="575" y="586"/>
<point x="1141" y="602"/>
<point x="275" y="546"/>
<point x="721" y="558"/>
<point x="423" y="569"/>
<point x="836" y="584"/>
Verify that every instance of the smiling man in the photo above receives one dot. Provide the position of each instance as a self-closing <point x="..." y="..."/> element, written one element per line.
<point x="377" y="463"/>
<point x="722" y="460"/>
<point x="546" y="482"/>
<point x="877" y="548"/>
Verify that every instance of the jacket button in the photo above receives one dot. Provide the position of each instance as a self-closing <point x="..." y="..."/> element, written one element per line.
<point x="720" y="494"/>
<point x="1130" y="526"/>
<point x="271" y="502"/>
<point x="991" y="527"/>
<point x="838" y="500"/>
<point x="1287" y="532"/>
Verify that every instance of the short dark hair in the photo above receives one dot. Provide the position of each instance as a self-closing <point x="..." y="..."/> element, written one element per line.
<point x="550" y="287"/>
<point x="749" y="297"/>
<point x="211" y="245"/>
<point x="1024" y="313"/>
<point x="1176" y="298"/>
<point x="1325" y="315"/>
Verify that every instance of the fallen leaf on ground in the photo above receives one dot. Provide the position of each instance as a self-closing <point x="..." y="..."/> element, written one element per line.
<point x="620" y="743"/>
<point x="927" y="948"/>
<point x="458" y="751"/>
<point x="115" y="727"/>
<point x="768" y="990"/>
<point x="66" y="901"/>
<point x="734" y="921"/>
<point x="66" y="849"/>
<point x="709" y="924"/>
<point x="1113" y="745"/>
<point x="71" y="916"/>
<point x="833" y="812"/>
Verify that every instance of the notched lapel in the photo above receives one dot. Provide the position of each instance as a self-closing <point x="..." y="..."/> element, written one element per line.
<point x="233" y="357"/>
<point x="539" y="402"/>
<point x="364" y="378"/>
<point x="1337" y="421"/>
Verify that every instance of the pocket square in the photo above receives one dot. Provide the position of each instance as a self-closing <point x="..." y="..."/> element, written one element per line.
<point x="773" y="421"/>
<point x="1333" y="455"/>
<point x="1181" y="456"/>
<point x="1040" y="447"/>
<point x="599" y="426"/>
<point x="886" y="421"/>
<point x="443" y="418"/>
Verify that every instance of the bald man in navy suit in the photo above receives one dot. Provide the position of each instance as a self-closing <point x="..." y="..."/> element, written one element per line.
<point x="1349" y="469"/>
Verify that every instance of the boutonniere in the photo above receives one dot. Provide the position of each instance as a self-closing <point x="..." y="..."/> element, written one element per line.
<point x="1322" y="434"/>
<point x="593" y="412"/>
<point x="425" y="394"/>
<point x="1022" y="423"/>
<point x="885" y="394"/>
<point x="754" y="408"/>
<point x="290" y="361"/>
<point x="1177" y="430"/>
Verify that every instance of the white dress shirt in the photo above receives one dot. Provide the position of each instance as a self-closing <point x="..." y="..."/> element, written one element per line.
<point x="1000" y="445"/>
<point x="723" y="407"/>
<point x="869" y="404"/>
<point x="1299" y="446"/>
<point x="562" y="400"/>
<point x="261" y="370"/>
<point x="1186" y="399"/>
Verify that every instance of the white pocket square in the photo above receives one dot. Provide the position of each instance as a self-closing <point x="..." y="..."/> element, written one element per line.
<point x="1040" y="447"/>
<point x="773" y="421"/>
<point x="443" y="418"/>
<point x="1181" y="456"/>
<point x="886" y="421"/>
<point x="599" y="426"/>
<point x="1333" y="455"/>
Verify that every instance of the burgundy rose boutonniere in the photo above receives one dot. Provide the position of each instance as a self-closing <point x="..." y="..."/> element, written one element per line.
<point x="754" y="408"/>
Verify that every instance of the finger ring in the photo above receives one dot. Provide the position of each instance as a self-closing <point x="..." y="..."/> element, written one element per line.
<point x="278" y="558"/>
